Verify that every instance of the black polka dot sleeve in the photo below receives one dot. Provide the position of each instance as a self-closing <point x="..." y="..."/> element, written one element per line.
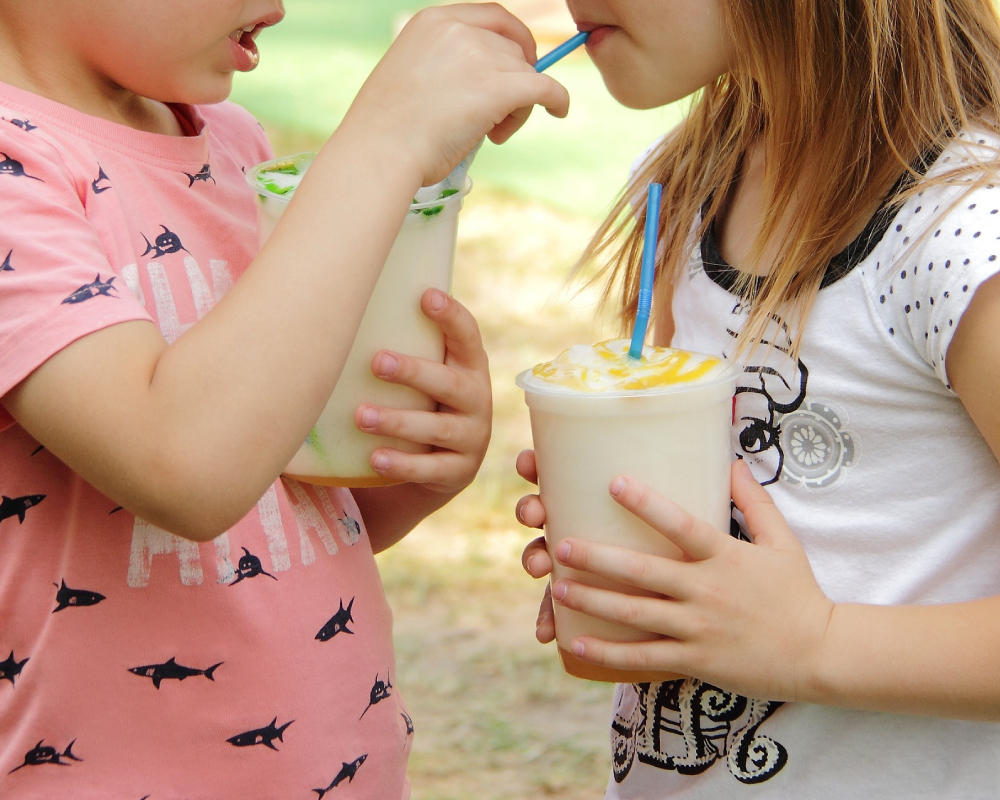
<point x="945" y="243"/>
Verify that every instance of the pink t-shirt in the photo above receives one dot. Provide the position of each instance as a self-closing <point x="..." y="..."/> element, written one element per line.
<point x="134" y="663"/>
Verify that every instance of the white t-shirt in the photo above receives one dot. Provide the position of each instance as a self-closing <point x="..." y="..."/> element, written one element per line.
<point x="889" y="486"/>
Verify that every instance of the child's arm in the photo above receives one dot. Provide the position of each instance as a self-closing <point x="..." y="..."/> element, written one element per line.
<point x="188" y="436"/>
<point x="751" y="617"/>
<point x="459" y="431"/>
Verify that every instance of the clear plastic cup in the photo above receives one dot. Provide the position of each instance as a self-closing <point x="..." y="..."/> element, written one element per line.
<point x="674" y="438"/>
<point x="336" y="453"/>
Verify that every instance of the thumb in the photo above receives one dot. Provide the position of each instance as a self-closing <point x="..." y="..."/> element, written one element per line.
<point x="765" y="523"/>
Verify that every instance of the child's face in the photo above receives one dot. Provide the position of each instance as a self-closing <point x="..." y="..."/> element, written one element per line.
<point x="652" y="52"/>
<point x="167" y="50"/>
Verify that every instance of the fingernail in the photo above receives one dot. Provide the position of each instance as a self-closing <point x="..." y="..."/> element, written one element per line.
<point x="519" y="512"/>
<point x="387" y="365"/>
<point x="380" y="463"/>
<point x="527" y="566"/>
<point x="617" y="485"/>
<point x="563" y="551"/>
<point x="578" y="649"/>
<point x="437" y="300"/>
<point x="559" y="591"/>
<point x="369" y="418"/>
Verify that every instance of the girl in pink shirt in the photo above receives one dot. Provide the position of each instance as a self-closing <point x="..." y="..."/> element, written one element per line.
<point x="177" y="620"/>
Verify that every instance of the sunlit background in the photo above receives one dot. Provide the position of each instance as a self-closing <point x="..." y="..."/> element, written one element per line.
<point x="495" y="717"/>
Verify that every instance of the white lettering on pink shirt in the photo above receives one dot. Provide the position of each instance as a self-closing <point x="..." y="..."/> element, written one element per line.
<point x="308" y="518"/>
<point x="274" y="531"/>
<point x="149" y="541"/>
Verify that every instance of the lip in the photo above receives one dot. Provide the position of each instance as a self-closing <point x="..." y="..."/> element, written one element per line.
<point x="597" y="32"/>
<point x="243" y="45"/>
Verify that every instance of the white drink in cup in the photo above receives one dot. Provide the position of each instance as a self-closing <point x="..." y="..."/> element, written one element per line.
<point x="595" y="414"/>
<point x="336" y="453"/>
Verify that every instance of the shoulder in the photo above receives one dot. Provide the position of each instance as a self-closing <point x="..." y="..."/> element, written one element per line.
<point x="647" y="156"/>
<point x="943" y="243"/>
<point x="954" y="216"/>
<point x="21" y="134"/>
<point x="38" y="162"/>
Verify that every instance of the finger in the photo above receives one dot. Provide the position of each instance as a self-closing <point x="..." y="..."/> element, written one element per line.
<point x="654" y="615"/>
<point x="439" y="430"/>
<point x="692" y="535"/>
<point x="462" y="337"/>
<point x="525" y="466"/>
<point x="662" y="576"/>
<point x="765" y="522"/>
<point x="545" y="625"/>
<point x="514" y="77"/>
<point x="530" y="511"/>
<point x="502" y="132"/>
<point x="658" y="655"/>
<point x="535" y="558"/>
<point x="535" y="89"/>
<point x="442" y="470"/>
<point x="465" y="391"/>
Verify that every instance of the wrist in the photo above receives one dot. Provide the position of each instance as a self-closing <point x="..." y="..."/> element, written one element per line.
<point x="388" y="139"/>
<point x="821" y="665"/>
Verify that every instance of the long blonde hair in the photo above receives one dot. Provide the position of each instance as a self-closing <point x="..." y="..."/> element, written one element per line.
<point x="846" y="93"/>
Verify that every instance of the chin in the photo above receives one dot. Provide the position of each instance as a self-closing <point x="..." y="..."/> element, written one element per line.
<point x="209" y="95"/>
<point x="205" y="93"/>
<point x="644" y="97"/>
<point x="632" y="96"/>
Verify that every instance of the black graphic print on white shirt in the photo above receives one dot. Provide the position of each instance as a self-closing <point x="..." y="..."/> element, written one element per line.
<point x="779" y="430"/>
<point x="689" y="726"/>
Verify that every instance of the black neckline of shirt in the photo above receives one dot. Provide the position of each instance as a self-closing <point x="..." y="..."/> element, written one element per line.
<point x="725" y="275"/>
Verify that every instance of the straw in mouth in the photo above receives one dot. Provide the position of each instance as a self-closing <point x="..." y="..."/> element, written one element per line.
<point x="652" y="233"/>
<point x="561" y="51"/>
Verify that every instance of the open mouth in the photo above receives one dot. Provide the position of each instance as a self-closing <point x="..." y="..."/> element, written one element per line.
<point x="244" y="37"/>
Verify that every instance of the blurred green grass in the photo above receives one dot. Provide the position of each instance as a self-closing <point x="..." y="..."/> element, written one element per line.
<point x="314" y="62"/>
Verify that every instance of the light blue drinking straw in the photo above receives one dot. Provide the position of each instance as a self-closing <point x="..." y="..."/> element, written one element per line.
<point x="562" y="50"/>
<point x="648" y="266"/>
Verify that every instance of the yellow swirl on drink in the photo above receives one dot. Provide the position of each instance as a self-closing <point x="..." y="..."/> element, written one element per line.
<point x="607" y="367"/>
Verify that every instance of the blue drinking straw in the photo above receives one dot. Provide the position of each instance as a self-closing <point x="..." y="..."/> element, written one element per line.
<point x="648" y="266"/>
<point x="562" y="50"/>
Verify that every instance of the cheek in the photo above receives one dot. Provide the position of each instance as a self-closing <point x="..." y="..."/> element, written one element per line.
<point x="663" y="56"/>
<point x="680" y="62"/>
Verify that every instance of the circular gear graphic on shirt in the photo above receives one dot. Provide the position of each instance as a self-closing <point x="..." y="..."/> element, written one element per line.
<point x="818" y="449"/>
